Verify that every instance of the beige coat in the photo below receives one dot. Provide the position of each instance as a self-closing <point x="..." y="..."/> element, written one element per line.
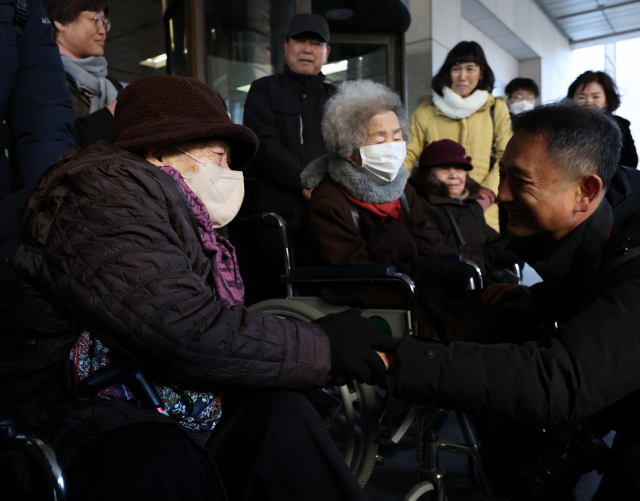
<point x="475" y="133"/>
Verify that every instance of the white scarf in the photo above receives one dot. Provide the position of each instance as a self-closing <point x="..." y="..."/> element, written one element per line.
<point x="454" y="106"/>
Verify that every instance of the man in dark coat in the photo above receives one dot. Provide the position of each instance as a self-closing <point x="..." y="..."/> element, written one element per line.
<point x="577" y="219"/>
<point x="34" y="101"/>
<point x="285" y="111"/>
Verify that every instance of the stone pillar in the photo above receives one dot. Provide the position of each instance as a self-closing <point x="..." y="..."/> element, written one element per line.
<point x="418" y="47"/>
<point x="532" y="68"/>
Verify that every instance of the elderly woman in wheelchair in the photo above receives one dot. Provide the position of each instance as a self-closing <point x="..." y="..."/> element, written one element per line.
<point x="449" y="197"/>
<point x="121" y="251"/>
<point x="363" y="211"/>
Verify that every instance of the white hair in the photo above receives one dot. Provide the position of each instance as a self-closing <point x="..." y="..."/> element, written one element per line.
<point x="357" y="102"/>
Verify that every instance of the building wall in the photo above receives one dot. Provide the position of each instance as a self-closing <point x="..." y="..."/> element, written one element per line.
<point x="437" y="26"/>
<point x="536" y="30"/>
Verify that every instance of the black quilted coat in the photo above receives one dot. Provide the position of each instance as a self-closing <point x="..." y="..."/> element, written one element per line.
<point x="109" y="245"/>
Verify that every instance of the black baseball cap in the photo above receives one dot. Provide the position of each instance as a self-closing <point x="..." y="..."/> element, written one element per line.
<point x="309" y="23"/>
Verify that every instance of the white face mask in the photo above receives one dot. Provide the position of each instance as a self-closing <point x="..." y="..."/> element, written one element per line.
<point x="520" y="106"/>
<point x="383" y="161"/>
<point x="221" y="190"/>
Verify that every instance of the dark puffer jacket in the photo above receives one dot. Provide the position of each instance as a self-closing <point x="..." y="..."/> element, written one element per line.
<point x="109" y="246"/>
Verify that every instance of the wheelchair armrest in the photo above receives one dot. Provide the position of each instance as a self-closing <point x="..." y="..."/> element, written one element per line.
<point x="366" y="271"/>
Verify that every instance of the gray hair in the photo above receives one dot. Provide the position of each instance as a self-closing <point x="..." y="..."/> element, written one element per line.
<point x="581" y="139"/>
<point x="357" y="102"/>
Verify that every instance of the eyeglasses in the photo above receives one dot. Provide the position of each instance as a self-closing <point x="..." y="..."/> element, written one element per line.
<point x="100" y="21"/>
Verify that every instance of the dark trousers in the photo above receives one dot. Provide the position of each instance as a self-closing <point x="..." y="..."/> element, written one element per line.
<point x="270" y="445"/>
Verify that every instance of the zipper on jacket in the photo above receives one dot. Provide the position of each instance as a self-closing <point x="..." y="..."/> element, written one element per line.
<point x="301" y="130"/>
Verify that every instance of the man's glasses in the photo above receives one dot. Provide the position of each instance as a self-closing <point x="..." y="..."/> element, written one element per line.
<point x="101" y="21"/>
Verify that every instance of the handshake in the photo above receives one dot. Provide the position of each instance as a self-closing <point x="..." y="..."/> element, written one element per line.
<point x="359" y="348"/>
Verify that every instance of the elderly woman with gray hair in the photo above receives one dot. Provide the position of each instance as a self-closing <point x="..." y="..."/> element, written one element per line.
<point x="362" y="210"/>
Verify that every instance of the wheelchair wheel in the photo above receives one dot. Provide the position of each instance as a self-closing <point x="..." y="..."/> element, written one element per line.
<point x="355" y="428"/>
<point x="421" y="492"/>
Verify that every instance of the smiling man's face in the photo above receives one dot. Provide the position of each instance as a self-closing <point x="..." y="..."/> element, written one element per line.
<point x="306" y="53"/>
<point x="539" y="199"/>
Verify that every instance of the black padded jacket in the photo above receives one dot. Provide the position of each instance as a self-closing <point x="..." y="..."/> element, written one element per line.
<point x="285" y="111"/>
<point x="108" y="245"/>
<point x="588" y="366"/>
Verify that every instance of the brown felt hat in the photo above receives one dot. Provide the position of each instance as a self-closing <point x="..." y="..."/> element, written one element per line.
<point x="166" y="109"/>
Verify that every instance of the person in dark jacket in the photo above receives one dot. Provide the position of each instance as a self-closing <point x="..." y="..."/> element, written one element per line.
<point x="285" y="111"/>
<point x="576" y="216"/>
<point x="33" y="101"/>
<point x="120" y="249"/>
<point x="362" y="210"/>
<point x="81" y="28"/>
<point x="597" y="88"/>
<point x="448" y="198"/>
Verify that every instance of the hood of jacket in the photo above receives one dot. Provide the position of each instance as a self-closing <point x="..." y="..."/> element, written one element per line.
<point x="356" y="181"/>
<point x="454" y="106"/>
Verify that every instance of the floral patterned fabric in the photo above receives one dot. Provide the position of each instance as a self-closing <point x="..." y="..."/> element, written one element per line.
<point x="196" y="411"/>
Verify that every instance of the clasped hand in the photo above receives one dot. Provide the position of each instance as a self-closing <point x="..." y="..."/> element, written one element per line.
<point x="353" y="342"/>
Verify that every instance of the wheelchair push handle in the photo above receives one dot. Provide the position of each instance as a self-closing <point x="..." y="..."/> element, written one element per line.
<point x="127" y="373"/>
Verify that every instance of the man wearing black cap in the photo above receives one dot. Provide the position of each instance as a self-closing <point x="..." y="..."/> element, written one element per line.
<point x="285" y="111"/>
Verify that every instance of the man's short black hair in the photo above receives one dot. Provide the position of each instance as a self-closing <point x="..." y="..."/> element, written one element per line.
<point x="521" y="84"/>
<point x="66" y="11"/>
<point x="608" y="85"/>
<point x="464" y="52"/>
<point x="581" y="139"/>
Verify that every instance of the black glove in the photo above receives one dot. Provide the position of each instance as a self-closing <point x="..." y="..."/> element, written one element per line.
<point x="353" y="340"/>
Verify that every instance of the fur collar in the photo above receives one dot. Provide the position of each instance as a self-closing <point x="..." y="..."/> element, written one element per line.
<point x="356" y="181"/>
<point x="456" y="107"/>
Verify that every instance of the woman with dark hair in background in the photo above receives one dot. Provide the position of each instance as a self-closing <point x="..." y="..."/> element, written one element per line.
<point x="80" y="28"/>
<point x="597" y="88"/>
<point x="462" y="109"/>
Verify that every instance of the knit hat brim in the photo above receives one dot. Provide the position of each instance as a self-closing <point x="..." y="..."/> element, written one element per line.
<point x="244" y="143"/>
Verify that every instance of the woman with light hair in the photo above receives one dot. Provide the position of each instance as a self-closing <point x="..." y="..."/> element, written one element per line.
<point x="362" y="210"/>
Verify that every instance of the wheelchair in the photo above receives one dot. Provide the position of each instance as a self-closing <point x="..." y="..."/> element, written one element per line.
<point x="14" y="436"/>
<point x="356" y="429"/>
